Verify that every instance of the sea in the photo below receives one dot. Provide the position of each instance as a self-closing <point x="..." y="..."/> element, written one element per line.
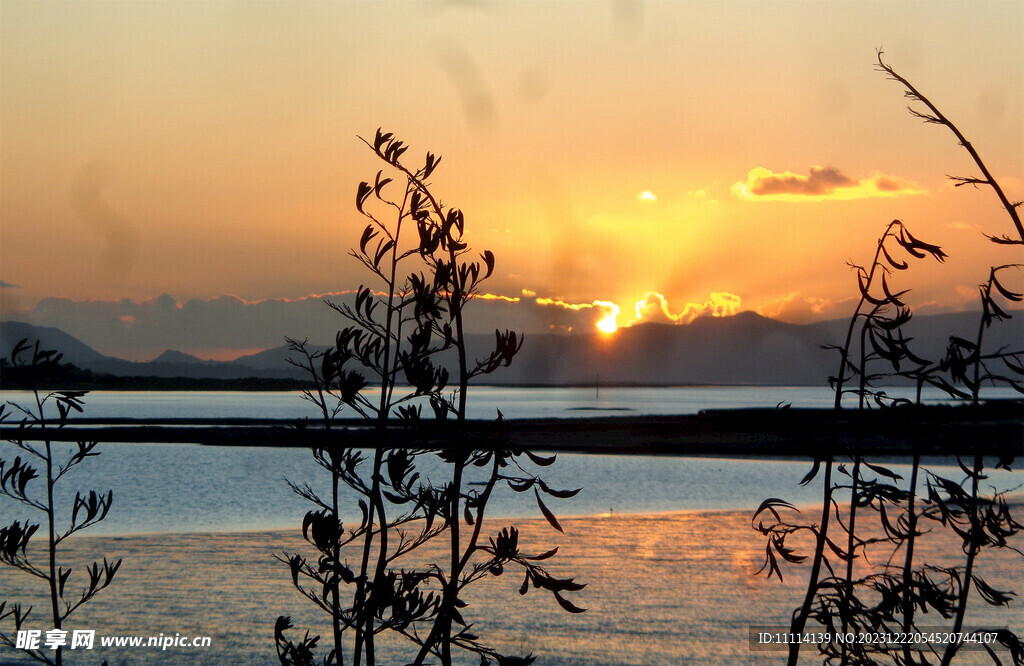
<point x="665" y="543"/>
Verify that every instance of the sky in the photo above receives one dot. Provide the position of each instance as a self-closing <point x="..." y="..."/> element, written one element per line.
<point x="625" y="161"/>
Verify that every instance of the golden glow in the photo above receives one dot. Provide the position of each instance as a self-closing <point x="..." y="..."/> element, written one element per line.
<point x="608" y="324"/>
<point x="198" y="166"/>
<point x="654" y="307"/>
<point x="497" y="297"/>
<point x="610" y="311"/>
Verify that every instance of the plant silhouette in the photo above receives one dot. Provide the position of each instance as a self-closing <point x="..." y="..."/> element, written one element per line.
<point x="891" y="598"/>
<point x="407" y="336"/>
<point x="16" y="482"/>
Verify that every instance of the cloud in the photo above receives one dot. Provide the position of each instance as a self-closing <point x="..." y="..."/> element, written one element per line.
<point x="654" y="308"/>
<point x="141" y="330"/>
<point x="4" y="284"/>
<point x="497" y="297"/>
<point x="598" y="313"/>
<point x="821" y="183"/>
<point x="795" y="308"/>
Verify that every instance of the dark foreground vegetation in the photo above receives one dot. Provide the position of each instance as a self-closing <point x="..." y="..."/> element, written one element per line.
<point x="865" y="577"/>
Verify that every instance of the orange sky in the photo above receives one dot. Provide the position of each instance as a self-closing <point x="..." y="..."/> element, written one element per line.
<point x="201" y="149"/>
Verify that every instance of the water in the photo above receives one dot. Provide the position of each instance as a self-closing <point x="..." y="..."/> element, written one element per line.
<point x="664" y="543"/>
<point x="484" y="402"/>
<point x="192" y="488"/>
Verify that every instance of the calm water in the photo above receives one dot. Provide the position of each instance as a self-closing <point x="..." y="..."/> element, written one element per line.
<point x="189" y="488"/>
<point x="668" y="589"/>
<point x="515" y="403"/>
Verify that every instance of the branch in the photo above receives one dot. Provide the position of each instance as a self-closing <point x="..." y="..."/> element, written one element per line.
<point x="935" y="117"/>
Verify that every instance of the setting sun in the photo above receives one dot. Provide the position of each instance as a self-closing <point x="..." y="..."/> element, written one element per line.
<point x="608" y="323"/>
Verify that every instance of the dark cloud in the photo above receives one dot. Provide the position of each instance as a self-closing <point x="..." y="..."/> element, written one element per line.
<point x="821" y="183"/>
<point x="822" y="180"/>
<point x="7" y="285"/>
<point x="885" y="184"/>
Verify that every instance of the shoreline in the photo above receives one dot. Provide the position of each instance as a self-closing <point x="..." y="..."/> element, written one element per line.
<point x="750" y="432"/>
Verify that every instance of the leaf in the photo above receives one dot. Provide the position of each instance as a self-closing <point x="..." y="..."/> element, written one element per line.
<point x="769" y="505"/>
<point x="368" y="233"/>
<point x="993" y="596"/>
<point x="877" y="469"/>
<point x="811" y="474"/>
<point x="1007" y="294"/>
<point x="361" y="194"/>
<point x="488" y="258"/>
<point x="560" y="494"/>
<point x="547" y="513"/>
<point x="540" y="460"/>
<point x="891" y="297"/>
<point x="521" y="487"/>
<point x="898" y="265"/>
<point x="568" y="605"/>
<point x="543" y="556"/>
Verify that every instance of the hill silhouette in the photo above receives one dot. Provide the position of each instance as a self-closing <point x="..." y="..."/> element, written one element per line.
<point x="746" y="349"/>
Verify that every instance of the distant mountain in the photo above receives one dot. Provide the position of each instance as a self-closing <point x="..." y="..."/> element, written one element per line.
<point x="75" y="351"/>
<point x="171" y="356"/>
<point x="275" y="358"/>
<point x="746" y="349"/>
<point x="168" y="364"/>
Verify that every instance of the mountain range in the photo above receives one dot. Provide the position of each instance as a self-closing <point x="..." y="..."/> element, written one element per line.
<point x="745" y="349"/>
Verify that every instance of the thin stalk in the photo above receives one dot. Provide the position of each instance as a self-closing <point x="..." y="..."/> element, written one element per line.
<point x="458" y="297"/>
<point x="850" y="545"/>
<point x="845" y="350"/>
<point x="471" y="546"/>
<point x="325" y="413"/>
<point x="975" y="533"/>
<point x="52" y="546"/>
<point x="51" y="527"/>
<point x="484" y="496"/>
<point x="440" y="632"/>
<point x="908" y="562"/>
<point x="972" y="551"/>
<point x="800" y="619"/>
<point x="364" y="622"/>
<point x="336" y="555"/>
<point x="857" y="459"/>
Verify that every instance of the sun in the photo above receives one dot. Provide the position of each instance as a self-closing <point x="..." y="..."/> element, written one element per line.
<point x="647" y="196"/>
<point x="608" y="323"/>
